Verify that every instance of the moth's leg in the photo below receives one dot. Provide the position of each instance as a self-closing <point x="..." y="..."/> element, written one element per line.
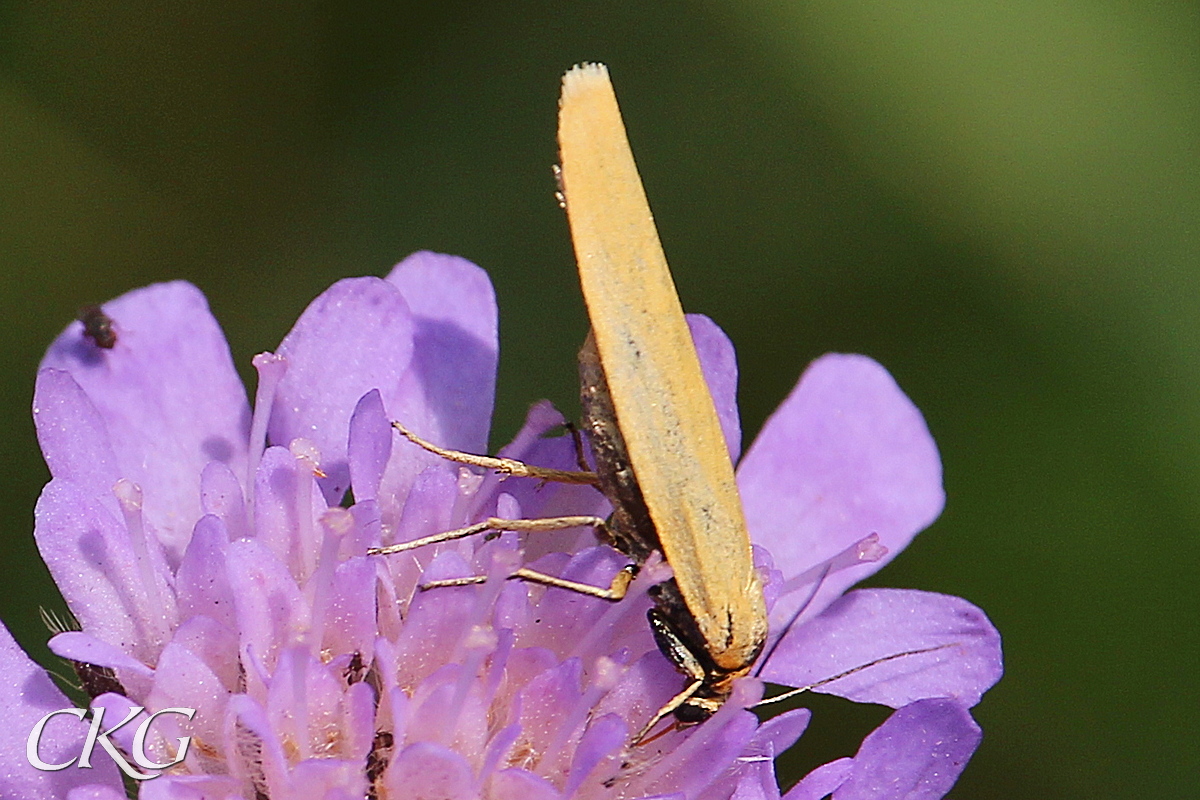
<point x="507" y="466"/>
<point x="615" y="591"/>
<point x="669" y="708"/>
<point x="496" y="524"/>
<point x="577" y="439"/>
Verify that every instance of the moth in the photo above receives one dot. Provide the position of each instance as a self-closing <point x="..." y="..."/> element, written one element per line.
<point x="661" y="457"/>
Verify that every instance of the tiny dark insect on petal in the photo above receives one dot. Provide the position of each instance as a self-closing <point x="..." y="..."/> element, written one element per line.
<point x="98" y="327"/>
<point x="97" y="680"/>
<point x="356" y="670"/>
<point x="377" y="760"/>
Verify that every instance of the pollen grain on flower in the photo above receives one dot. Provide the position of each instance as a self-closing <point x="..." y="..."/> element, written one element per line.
<point x="235" y="580"/>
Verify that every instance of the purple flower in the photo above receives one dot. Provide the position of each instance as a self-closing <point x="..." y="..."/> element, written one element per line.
<point x="214" y="558"/>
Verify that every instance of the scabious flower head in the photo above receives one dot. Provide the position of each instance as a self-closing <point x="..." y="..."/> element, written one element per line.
<point x="215" y="558"/>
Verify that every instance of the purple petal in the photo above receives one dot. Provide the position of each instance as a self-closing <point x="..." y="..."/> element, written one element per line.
<point x="648" y="683"/>
<point x="436" y="621"/>
<point x="370" y="446"/>
<point x="435" y="714"/>
<point x="541" y="417"/>
<point x="169" y="396"/>
<point x="95" y="792"/>
<point x="355" y="337"/>
<point x="753" y="774"/>
<point x="271" y="611"/>
<point x="359" y="725"/>
<point x="456" y="344"/>
<point x="822" y="781"/>
<point x="499" y="745"/>
<point x="350" y="617"/>
<point x="221" y="494"/>
<point x="214" y="644"/>
<point x="89" y="553"/>
<point x="543" y="700"/>
<point x="247" y="725"/>
<point x="517" y="784"/>
<point x="430" y="505"/>
<point x="428" y="770"/>
<point x="869" y="624"/>
<point x="72" y="433"/>
<point x="302" y="699"/>
<point x="116" y="707"/>
<point x="603" y="738"/>
<point x="428" y="509"/>
<point x="327" y="779"/>
<point x="719" y="364"/>
<point x="757" y="782"/>
<point x="183" y="680"/>
<point x="917" y="754"/>
<point x="282" y="521"/>
<point x="366" y="532"/>
<point x="187" y="787"/>
<point x="79" y="646"/>
<point x="201" y="584"/>
<point x="446" y="395"/>
<point x="568" y="616"/>
<point x="779" y="733"/>
<point x="27" y="694"/>
<point x="846" y="455"/>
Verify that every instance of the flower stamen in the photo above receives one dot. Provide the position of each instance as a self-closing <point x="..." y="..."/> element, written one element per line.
<point x="271" y="368"/>
<point x="129" y="497"/>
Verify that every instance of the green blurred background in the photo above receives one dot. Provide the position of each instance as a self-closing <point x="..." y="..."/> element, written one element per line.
<point x="999" y="201"/>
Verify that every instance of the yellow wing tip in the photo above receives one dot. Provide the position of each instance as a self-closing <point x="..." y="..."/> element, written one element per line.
<point x="583" y="78"/>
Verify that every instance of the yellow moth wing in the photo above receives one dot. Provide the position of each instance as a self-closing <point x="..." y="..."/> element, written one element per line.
<point x="663" y="407"/>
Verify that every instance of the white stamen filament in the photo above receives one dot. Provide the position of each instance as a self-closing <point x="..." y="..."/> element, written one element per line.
<point x="129" y="497"/>
<point x="336" y="522"/>
<point x="479" y="640"/>
<point x="299" y="714"/>
<point x="271" y="369"/>
<point x="308" y="460"/>
<point x="866" y="550"/>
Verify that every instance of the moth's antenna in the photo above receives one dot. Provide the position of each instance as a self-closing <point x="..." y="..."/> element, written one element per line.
<point x="847" y="673"/>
